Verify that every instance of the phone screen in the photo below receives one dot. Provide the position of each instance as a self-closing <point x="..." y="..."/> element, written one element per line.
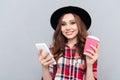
<point x="44" y="48"/>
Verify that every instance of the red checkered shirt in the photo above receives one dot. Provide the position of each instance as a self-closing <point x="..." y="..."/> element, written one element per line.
<point x="70" y="67"/>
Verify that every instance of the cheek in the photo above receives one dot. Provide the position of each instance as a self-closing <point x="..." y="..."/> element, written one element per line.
<point x="77" y="31"/>
<point x="62" y="30"/>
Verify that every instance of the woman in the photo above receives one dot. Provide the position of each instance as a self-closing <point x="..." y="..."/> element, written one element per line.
<point x="70" y="24"/>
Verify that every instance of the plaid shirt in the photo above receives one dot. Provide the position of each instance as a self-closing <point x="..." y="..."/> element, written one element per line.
<point x="70" y="67"/>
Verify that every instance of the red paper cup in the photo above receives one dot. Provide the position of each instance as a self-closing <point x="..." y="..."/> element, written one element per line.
<point x="91" y="40"/>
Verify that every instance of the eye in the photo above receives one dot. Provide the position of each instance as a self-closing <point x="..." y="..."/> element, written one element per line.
<point x="63" y="24"/>
<point x="73" y="23"/>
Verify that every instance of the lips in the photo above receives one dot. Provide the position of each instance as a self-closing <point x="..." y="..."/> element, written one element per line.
<point x="69" y="33"/>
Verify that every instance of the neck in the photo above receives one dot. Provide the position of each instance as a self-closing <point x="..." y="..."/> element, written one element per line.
<point x="71" y="43"/>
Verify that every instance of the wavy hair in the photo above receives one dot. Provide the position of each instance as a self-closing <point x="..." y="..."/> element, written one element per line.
<point x="59" y="40"/>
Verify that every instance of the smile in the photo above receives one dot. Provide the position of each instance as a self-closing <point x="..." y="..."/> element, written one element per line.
<point x="69" y="33"/>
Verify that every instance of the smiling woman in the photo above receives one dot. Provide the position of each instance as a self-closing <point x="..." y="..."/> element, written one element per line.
<point x="70" y="24"/>
<point x="69" y="28"/>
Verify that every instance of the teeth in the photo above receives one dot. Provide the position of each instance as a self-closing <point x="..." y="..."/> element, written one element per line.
<point x="69" y="33"/>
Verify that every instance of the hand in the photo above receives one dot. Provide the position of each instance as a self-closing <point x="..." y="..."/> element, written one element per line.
<point x="92" y="55"/>
<point x="45" y="59"/>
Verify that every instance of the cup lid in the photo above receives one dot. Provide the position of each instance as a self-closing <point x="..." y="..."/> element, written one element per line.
<point x="93" y="37"/>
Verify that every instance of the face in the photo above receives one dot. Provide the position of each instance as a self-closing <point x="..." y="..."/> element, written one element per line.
<point x="69" y="27"/>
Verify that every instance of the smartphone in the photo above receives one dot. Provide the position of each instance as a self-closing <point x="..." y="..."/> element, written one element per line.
<point x="44" y="48"/>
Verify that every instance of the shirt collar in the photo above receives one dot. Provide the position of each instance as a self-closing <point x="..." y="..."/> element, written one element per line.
<point x="70" y="52"/>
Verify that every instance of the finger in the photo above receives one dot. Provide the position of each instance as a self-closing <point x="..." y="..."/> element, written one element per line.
<point x="48" y="58"/>
<point x="49" y="62"/>
<point x="90" y="56"/>
<point x="89" y="51"/>
<point x="40" y="55"/>
<point x="40" y="52"/>
<point x="45" y="55"/>
<point x="93" y="48"/>
<point x="94" y="57"/>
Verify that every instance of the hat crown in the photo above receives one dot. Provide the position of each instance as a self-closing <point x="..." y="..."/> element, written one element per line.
<point x="83" y="14"/>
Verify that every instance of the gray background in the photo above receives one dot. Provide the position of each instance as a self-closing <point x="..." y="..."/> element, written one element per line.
<point x="25" y="22"/>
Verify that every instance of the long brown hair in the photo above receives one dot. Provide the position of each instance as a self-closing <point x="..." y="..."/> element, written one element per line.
<point x="59" y="40"/>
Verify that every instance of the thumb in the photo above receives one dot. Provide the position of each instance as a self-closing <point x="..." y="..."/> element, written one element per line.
<point x="39" y="52"/>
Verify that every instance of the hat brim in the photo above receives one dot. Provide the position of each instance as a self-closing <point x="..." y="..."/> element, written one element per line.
<point x="83" y="14"/>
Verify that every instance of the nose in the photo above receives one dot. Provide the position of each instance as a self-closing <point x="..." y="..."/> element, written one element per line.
<point x="68" y="27"/>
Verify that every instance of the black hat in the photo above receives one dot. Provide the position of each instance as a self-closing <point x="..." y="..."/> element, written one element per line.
<point x="83" y="14"/>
